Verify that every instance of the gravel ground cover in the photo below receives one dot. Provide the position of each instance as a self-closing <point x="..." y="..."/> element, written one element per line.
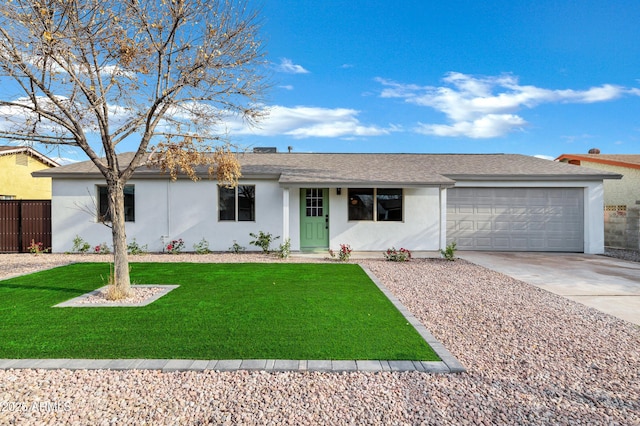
<point x="532" y="358"/>
<point x="624" y="254"/>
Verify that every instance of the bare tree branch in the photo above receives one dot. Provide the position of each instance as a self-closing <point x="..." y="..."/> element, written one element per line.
<point x="163" y="73"/>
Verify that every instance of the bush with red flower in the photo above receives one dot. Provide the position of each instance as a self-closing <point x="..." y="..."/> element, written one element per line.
<point x="343" y="254"/>
<point x="393" y="255"/>
<point x="102" y="248"/>
<point x="36" y="248"/>
<point x="175" y="246"/>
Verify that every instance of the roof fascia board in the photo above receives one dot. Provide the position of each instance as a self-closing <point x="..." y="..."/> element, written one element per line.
<point x="332" y="185"/>
<point x="31" y="152"/>
<point x="520" y="178"/>
<point x="138" y="175"/>
<point x="599" y="161"/>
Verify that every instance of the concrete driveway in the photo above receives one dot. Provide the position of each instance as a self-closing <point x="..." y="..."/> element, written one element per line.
<point x="609" y="285"/>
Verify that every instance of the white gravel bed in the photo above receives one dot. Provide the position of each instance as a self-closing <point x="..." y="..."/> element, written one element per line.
<point x="532" y="358"/>
<point x="138" y="295"/>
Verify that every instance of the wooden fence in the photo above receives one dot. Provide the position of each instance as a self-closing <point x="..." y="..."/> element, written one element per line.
<point x="22" y="221"/>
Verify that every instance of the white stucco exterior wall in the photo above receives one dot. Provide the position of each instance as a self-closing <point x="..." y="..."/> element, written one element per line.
<point x="180" y="209"/>
<point x="420" y="229"/>
<point x="593" y="205"/>
<point x="189" y="210"/>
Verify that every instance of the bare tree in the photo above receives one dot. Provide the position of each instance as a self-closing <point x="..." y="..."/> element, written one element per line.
<point x="161" y="74"/>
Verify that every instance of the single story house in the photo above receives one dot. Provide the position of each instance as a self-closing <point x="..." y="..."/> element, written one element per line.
<point x="16" y="182"/>
<point x="621" y="197"/>
<point x="620" y="194"/>
<point x="421" y="202"/>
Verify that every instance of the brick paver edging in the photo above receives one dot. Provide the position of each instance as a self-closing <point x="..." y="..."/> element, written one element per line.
<point x="448" y="363"/>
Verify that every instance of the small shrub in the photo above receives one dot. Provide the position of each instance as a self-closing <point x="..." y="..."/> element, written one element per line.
<point x="80" y="245"/>
<point x="393" y="255"/>
<point x="202" y="247"/>
<point x="263" y="240"/>
<point x="36" y="248"/>
<point x="113" y="292"/>
<point x="101" y="248"/>
<point x="175" y="246"/>
<point x="449" y="252"/>
<point x="236" y="248"/>
<point x="284" y="251"/>
<point x="343" y="254"/>
<point x="134" y="248"/>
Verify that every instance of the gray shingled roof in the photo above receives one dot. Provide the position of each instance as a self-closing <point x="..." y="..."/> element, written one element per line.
<point x="378" y="169"/>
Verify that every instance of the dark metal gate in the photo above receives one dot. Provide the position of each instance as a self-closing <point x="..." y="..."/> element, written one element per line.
<point x="22" y="221"/>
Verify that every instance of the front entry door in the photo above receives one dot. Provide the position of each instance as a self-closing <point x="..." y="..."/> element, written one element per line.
<point x="314" y="219"/>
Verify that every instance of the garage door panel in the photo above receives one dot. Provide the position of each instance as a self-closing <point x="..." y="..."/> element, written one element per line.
<point x="483" y="243"/>
<point x="502" y="226"/>
<point x="523" y="219"/>
<point x="537" y="225"/>
<point x="536" y="244"/>
<point x="518" y="226"/>
<point x="466" y="225"/>
<point x="483" y="225"/>
<point x="465" y="241"/>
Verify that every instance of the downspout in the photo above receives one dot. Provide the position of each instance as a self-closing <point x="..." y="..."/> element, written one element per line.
<point x="167" y="237"/>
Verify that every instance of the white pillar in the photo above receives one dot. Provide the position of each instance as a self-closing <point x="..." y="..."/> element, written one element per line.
<point x="285" y="214"/>
<point x="443" y="218"/>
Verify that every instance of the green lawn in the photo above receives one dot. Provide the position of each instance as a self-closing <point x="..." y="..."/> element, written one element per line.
<point x="220" y="311"/>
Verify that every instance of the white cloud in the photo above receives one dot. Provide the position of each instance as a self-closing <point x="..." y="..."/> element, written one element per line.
<point x="488" y="126"/>
<point x="485" y="107"/>
<point x="545" y="157"/>
<point x="304" y="122"/>
<point x="287" y="66"/>
<point x="286" y="87"/>
<point x="63" y="161"/>
<point x="574" y="138"/>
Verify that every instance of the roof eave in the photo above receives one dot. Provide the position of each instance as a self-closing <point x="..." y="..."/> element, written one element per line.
<point x="357" y="184"/>
<point x="524" y="178"/>
<point x="596" y="160"/>
<point x="33" y="153"/>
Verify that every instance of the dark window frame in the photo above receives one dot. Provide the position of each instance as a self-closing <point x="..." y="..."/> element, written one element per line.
<point x="375" y="204"/>
<point x="237" y="204"/>
<point x="103" y="203"/>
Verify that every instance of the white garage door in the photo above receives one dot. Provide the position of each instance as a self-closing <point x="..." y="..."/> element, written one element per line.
<point x="520" y="219"/>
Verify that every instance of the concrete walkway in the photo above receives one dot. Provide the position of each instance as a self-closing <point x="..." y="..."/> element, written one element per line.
<point x="610" y="285"/>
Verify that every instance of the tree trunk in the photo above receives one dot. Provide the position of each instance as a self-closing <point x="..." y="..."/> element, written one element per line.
<point x="120" y="281"/>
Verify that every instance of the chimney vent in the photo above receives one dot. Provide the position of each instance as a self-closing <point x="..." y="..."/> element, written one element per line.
<point x="594" y="151"/>
<point x="266" y="149"/>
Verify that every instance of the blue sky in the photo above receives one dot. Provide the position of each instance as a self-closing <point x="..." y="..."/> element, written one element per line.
<point x="535" y="78"/>
<point x="530" y="77"/>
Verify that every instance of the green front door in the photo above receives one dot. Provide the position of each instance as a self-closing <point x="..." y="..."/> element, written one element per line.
<point x="314" y="219"/>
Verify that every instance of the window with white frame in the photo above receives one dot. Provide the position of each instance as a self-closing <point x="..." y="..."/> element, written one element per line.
<point x="377" y="204"/>
<point x="104" y="214"/>
<point x="237" y="204"/>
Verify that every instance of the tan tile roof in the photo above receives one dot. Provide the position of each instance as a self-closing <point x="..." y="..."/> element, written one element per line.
<point x="622" y="160"/>
<point x="380" y="169"/>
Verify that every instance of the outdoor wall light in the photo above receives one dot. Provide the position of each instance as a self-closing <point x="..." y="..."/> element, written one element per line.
<point x="339" y="191"/>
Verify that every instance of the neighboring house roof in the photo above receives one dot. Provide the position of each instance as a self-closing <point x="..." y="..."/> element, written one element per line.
<point x="631" y="161"/>
<point x="376" y="169"/>
<point x="9" y="150"/>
